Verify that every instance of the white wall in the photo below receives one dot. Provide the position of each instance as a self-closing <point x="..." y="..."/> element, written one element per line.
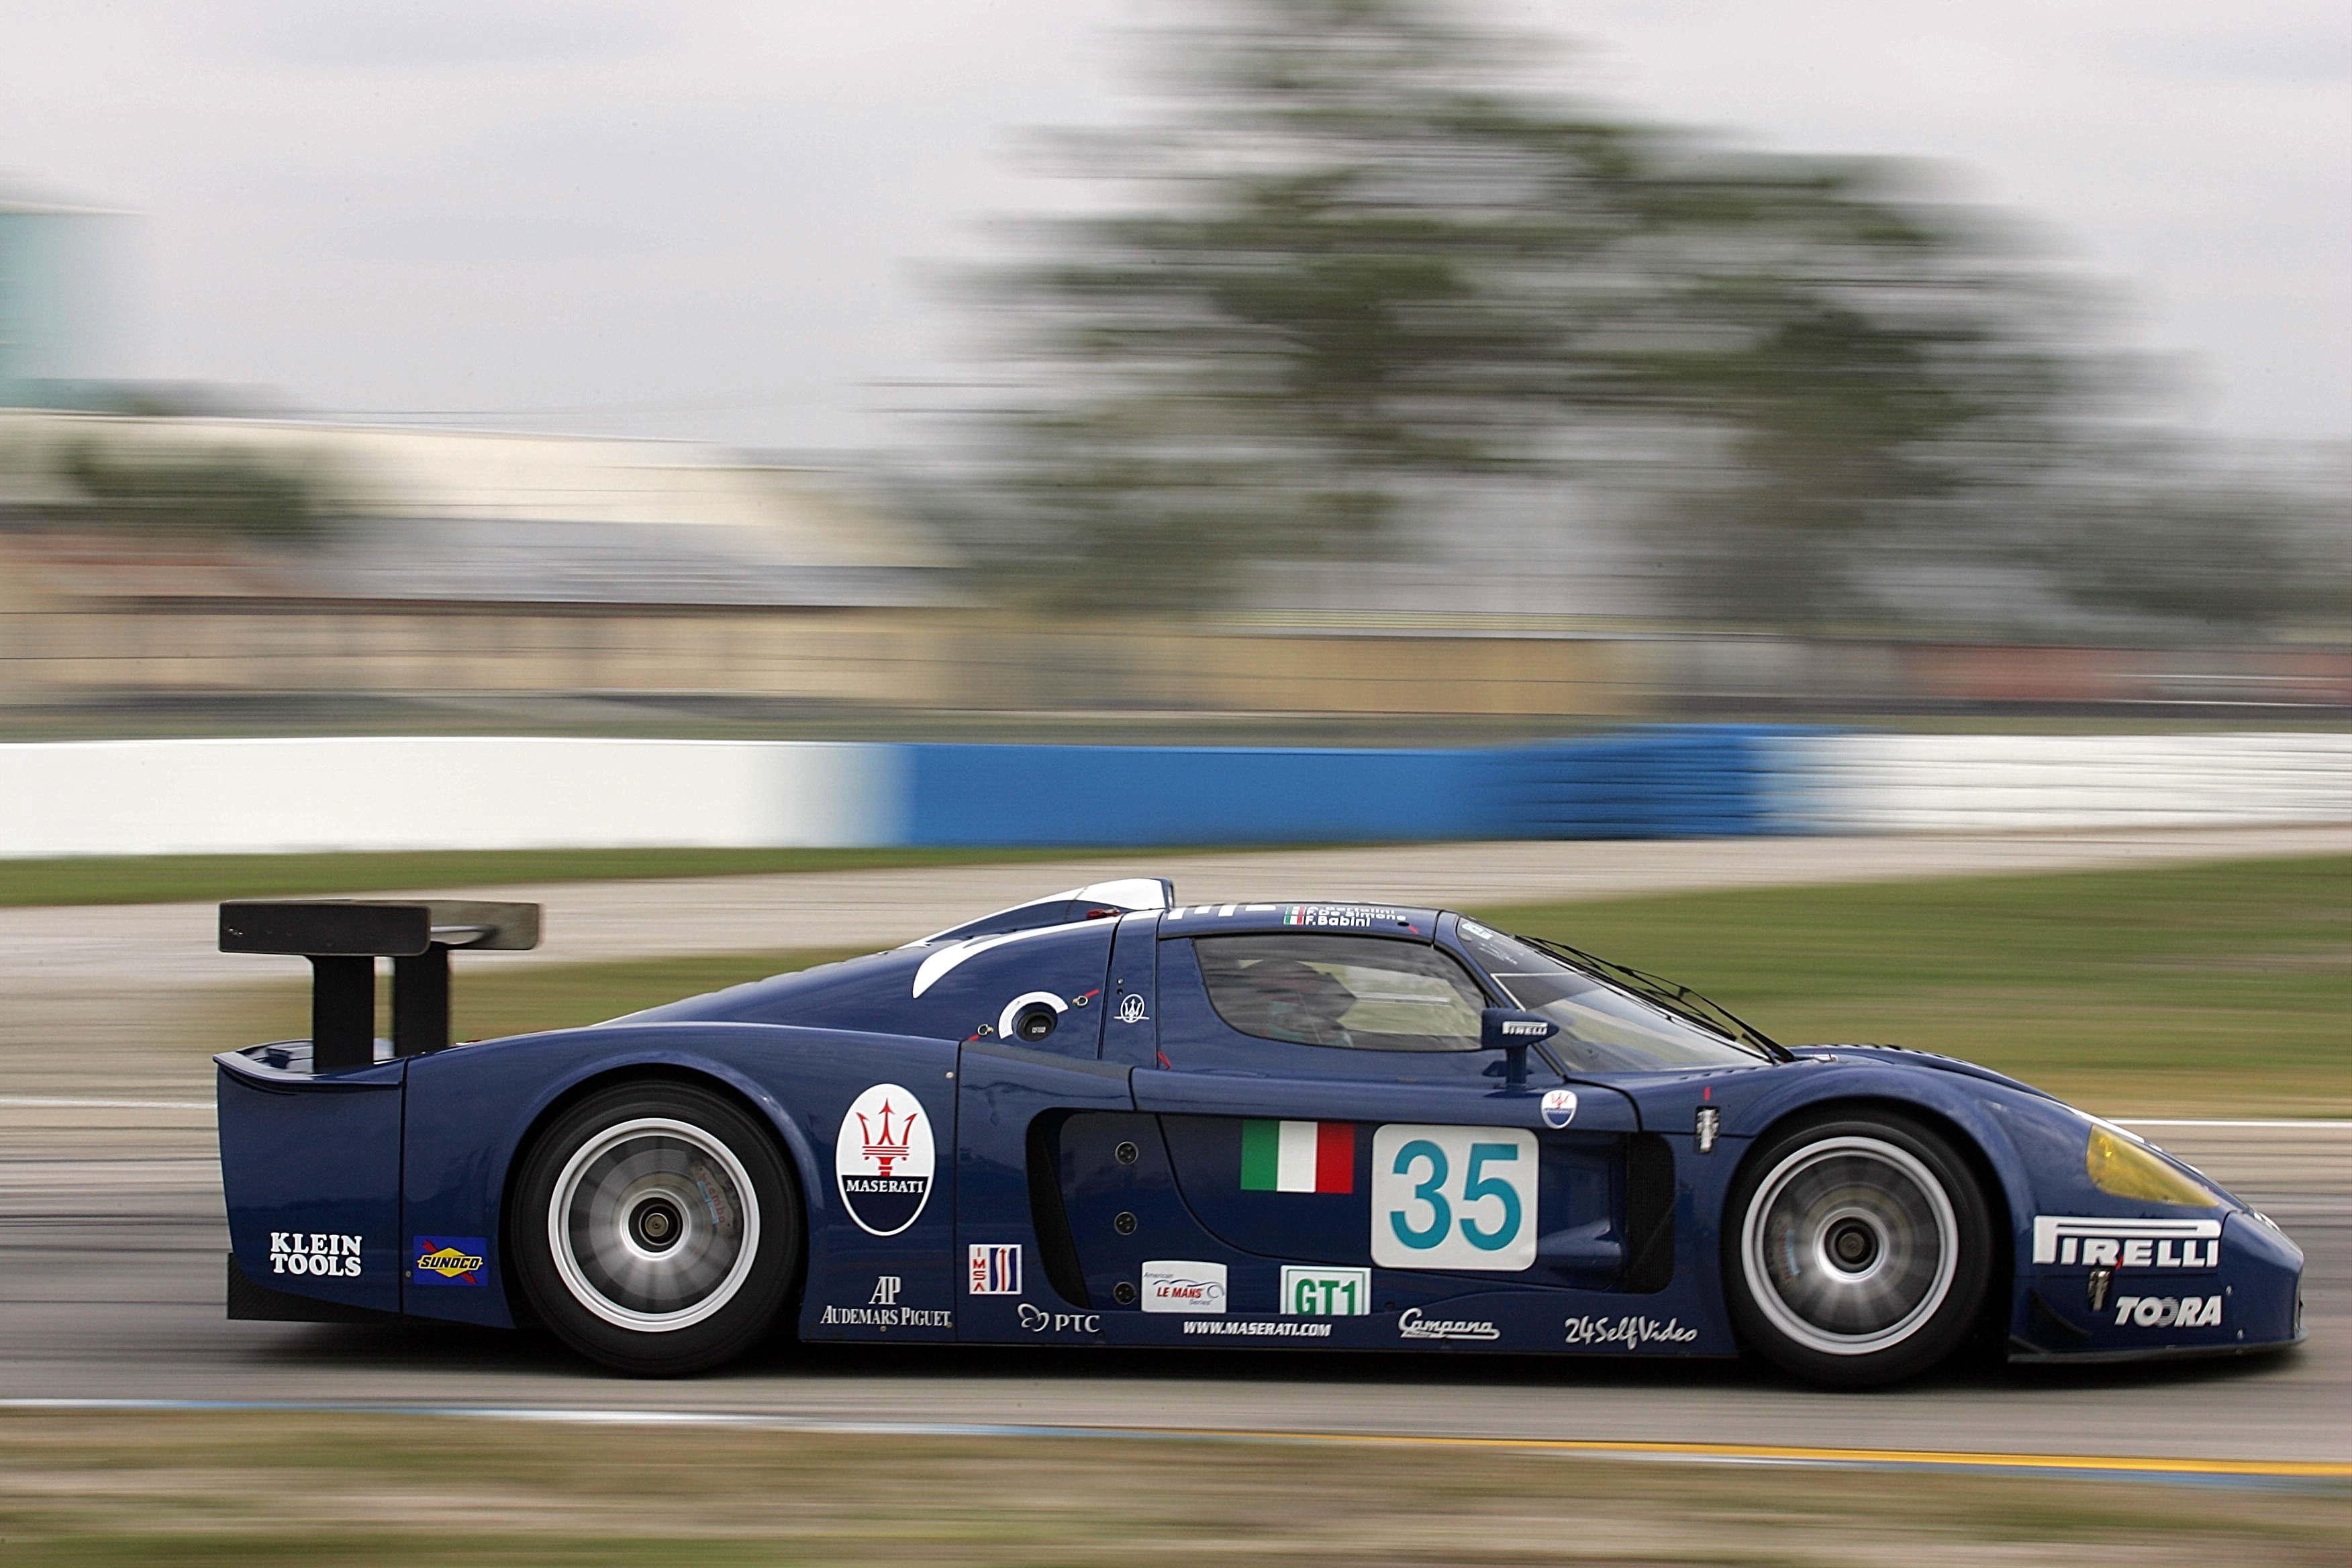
<point x="251" y="796"/>
<point x="1958" y="784"/>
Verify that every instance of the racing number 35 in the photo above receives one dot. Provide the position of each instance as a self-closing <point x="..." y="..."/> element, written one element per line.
<point x="1453" y="1197"/>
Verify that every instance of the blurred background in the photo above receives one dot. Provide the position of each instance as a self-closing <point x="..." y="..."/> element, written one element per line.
<point x="1340" y="371"/>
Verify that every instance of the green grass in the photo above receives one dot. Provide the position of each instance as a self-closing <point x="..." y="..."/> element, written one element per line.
<point x="238" y="1488"/>
<point x="2225" y="985"/>
<point x="203" y="879"/>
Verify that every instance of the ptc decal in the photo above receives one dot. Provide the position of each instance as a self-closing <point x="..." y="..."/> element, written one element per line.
<point x="311" y="1252"/>
<point x="883" y="1159"/>
<point x="449" y="1261"/>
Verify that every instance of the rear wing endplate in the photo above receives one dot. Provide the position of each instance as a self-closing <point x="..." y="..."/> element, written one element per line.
<point x="342" y="938"/>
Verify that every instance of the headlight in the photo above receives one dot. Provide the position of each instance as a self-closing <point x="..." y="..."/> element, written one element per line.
<point x="2126" y="1170"/>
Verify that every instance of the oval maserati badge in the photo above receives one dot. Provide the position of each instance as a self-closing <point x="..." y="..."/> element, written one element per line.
<point x="1558" y="1107"/>
<point x="883" y="1159"/>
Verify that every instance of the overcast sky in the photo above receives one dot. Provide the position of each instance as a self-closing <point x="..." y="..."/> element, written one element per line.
<point x="724" y="220"/>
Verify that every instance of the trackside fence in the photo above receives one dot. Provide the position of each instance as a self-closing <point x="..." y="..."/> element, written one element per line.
<point x="261" y="796"/>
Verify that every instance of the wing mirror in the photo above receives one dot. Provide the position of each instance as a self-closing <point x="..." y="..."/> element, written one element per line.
<point x="1511" y="1031"/>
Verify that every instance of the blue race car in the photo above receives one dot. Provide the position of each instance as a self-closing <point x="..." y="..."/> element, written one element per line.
<point x="1102" y="1118"/>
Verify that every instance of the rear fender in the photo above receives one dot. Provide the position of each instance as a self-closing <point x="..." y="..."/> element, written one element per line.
<point x="311" y="1174"/>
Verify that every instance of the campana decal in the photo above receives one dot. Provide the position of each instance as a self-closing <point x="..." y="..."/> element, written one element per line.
<point x="1632" y="1332"/>
<point x="312" y="1252"/>
<point x="883" y="1159"/>
<point x="1411" y="1325"/>
<point x="2128" y="1243"/>
<point x="1180" y="1286"/>
<point x="1313" y="1293"/>
<point x="1558" y="1107"/>
<point x="1259" y="1328"/>
<point x="1039" y="1321"/>
<point x="882" y="1310"/>
<point x="994" y="1270"/>
<point x="2168" y="1313"/>
<point x="449" y="1261"/>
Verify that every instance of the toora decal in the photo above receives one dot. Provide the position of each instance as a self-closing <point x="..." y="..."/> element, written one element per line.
<point x="2167" y="1312"/>
<point x="883" y="1159"/>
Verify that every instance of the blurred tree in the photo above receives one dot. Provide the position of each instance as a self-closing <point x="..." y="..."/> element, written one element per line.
<point x="218" y="495"/>
<point x="1367" y="267"/>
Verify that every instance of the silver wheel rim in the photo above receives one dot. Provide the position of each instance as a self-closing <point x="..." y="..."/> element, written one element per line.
<point x="1850" y="1246"/>
<point x="654" y="1225"/>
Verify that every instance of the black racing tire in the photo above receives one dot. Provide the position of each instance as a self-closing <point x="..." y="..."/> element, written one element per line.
<point x="657" y="1228"/>
<point x="1857" y="1248"/>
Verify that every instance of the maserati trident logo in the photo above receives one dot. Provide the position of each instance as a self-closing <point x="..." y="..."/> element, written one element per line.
<point x="883" y="1159"/>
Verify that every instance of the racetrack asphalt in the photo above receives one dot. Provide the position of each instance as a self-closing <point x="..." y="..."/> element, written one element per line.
<point x="111" y="1233"/>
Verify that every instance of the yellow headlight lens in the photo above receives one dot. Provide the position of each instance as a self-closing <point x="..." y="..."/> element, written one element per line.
<point x="2121" y="1167"/>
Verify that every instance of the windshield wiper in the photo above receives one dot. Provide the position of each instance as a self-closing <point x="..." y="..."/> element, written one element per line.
<point x="1679" y="999"/>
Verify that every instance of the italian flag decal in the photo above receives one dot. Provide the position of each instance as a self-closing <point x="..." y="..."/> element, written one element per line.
<point x="1299" y="1156"/>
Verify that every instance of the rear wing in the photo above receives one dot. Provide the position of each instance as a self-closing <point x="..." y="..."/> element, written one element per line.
<point x="342" y="938"/>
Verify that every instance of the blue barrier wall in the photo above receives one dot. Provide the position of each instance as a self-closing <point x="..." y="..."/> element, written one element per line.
<point x="1688" y="780"/>
<point x="1192" y="795"/>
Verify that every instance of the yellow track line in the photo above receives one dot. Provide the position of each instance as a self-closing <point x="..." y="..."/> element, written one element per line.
<point x="2295" y="1470"/>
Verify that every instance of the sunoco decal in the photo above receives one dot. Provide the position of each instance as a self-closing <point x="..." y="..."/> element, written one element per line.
<point x="882" y="1159"/>
<point x="2128" y="1243"/>
<point x="448" y="1261"/>
<point x="311" y="1252"/>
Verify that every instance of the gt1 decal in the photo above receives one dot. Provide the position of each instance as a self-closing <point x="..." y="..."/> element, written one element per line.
<point x="1309" y="1292"/>
<point x="1632" y="1332"/>
<point x="1036" y="1320"/>
<point x="1183" y="1286"/>
<point x="1411" y="1325"/>
<point x="2128" y="1243"/>
<point x="2166" y="1313"/>
<point x="883" y="1159"/>
<point x="1558" y="1107"/>
<point x="310" y="1252"/>
<point x="1453" y="1197"/>
<point x="449" y="1261"/>
<point x="1258" y="1328"/>
<point x="882" y="1310"/>
<point x="995" y="1270"/>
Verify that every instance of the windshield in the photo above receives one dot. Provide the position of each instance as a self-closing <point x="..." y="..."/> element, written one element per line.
<point x="1601" y="1028"/>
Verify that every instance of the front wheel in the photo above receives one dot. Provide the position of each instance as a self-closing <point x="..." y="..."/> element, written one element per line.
<point x="655" y="1228"/>
<point x="1858" y="1250"/>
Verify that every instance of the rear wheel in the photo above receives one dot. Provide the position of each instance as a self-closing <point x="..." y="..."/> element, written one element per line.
<point x="657" y="1228"/>
<point x="1856" y="1251"/>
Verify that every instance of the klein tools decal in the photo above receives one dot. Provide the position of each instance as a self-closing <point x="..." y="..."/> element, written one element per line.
<point x="883" y="1159"/>
<point x="1299" y="1156"/>
<point x="311" y="1252"/>
<point x="449" y="1261"/>
<point x="2128" y="1243"/>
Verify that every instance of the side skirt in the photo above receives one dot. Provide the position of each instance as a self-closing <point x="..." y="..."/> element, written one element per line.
<point x="260" y="1303"/>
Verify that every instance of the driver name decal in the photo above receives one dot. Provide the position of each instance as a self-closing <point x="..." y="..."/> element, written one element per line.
<point x="883" y="1159"/>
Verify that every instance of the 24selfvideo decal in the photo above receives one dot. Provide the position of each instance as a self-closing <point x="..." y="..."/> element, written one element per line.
<point x="1453" y="1197"/>
<point x="883" y="1159"/>
<point x="448" y="1261"/>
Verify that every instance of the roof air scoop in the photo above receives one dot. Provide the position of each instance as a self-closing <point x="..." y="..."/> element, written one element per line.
<point x="1098" y="901"/>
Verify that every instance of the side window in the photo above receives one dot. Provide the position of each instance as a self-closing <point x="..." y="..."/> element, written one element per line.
<point x="1363" y="992"/>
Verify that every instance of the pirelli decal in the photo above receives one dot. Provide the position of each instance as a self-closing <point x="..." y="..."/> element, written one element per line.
<point x="2128" y="1243"/>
